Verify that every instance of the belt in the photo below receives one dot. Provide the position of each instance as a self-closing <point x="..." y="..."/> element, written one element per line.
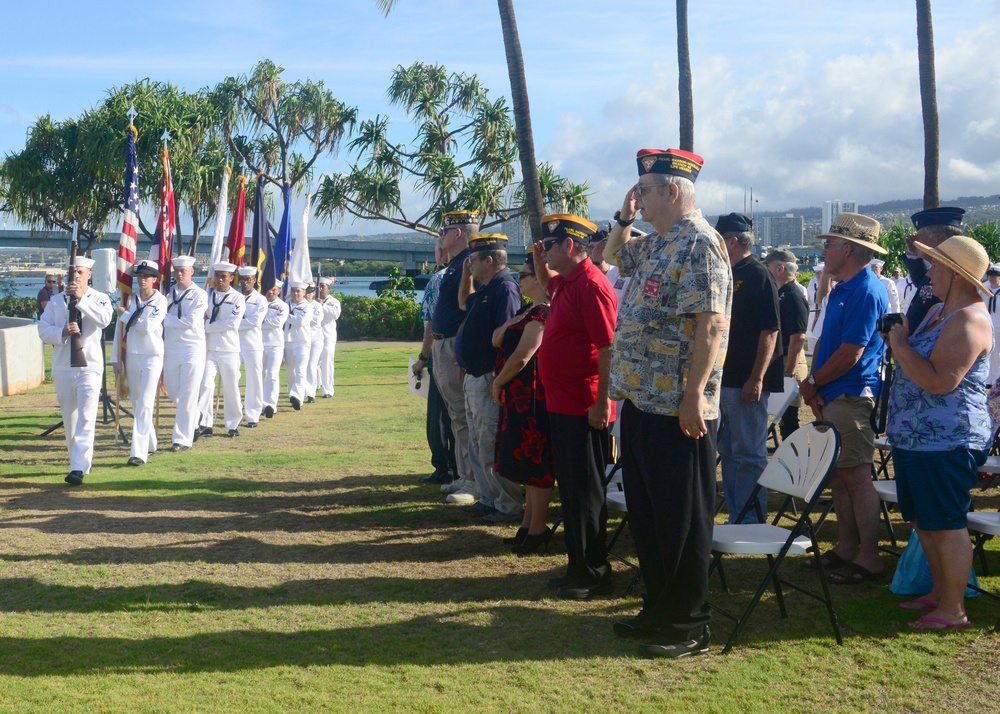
<point x="440" y="336"/>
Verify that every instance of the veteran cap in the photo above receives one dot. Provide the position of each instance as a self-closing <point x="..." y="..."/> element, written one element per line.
<point x="944" y="216"/>
<point x="673" y="162"/>
<point x="460" y="218"/>
<point x="785" y="256"/>
<point x="487" y="241"/>
<point x="147" y="268"/>
<point x="567" y="225"/>
<point x="734" y="223"/>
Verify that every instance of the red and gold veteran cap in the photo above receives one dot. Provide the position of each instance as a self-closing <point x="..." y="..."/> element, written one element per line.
<point x="566" y="225"/>
<point x="673" y="162"/>
<point x="460" y="218"/>
<point x="488" y="241"/>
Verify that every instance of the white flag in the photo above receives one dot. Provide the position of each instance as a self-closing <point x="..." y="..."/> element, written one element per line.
<point x="300" y="266"/>
<point x="219" y="239"/>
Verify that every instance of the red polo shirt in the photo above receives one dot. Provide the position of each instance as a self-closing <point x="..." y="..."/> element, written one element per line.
<point x="581" y="321"/>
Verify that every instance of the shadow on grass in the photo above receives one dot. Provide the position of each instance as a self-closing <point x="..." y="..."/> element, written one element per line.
<point x="498" y="635"/>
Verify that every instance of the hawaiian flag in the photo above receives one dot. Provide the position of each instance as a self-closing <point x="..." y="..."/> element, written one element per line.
<point x="261" y="252"/>
<point x="130" y="224"/>
<point x="163" y="240"/>
<point x="237" y="242"/>
<point x="283" y="245"/>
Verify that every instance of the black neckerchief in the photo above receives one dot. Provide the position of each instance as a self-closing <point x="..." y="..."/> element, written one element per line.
<point x="993" y="300"/>
<point x="177" y="302"/>
<point x="135" y="315"/>
<point x="217" y="305"/>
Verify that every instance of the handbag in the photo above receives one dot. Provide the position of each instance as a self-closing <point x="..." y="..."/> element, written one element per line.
<point x="913" y="573"/>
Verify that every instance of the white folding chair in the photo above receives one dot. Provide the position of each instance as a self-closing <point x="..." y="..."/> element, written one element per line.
<point x="800" y="469"/>
<point x="614" y="497"/>
<point x="777" y="405"/>
<point x="984" y="525"/>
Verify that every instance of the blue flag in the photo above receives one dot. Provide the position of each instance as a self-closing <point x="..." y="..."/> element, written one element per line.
<point x="283" y="245"/>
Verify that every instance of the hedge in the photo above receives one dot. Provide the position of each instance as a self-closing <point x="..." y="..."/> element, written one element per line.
<point x="380" y="318"/>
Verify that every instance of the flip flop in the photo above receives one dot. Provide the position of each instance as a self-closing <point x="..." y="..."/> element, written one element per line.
<point x="831" y="561"/>
<point x="921" y="604"/>
<point x="851" y="574"/>
<point x="937" y="624"/>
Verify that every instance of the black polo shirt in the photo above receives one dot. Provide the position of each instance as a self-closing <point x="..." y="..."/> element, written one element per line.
<point x="488" y="308"/>
<point x="448" y="316"/>
<point x="794" y="311"/>
<point x="755" y="309"/>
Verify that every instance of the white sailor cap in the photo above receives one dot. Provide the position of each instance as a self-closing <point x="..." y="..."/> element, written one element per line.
<point x="146" y="267"/>
<point x="818" y="267"/>
<point x="877" y="263"/>
<point x="184" y="261"/>
<point x="81" y="262"/>
<point x="247" y="271"/>
<point x="298" y="284"/>
<point x="223" y="267"/>
<point x="325" y="281"/>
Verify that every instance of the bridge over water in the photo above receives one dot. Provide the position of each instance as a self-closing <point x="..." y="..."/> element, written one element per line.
<point x="412" y="253"/>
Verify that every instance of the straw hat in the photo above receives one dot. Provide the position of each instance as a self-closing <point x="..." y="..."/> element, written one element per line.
<point x="961" y="254"/>
<point x="856" y="228"/>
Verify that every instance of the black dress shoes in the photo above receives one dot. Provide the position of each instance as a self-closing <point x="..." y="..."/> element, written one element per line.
<point x="74" y="478"/>
<point x="233" y="433"/>
<point x="585" y="591"/>
<point x="251" y="425"/>
<point x="135" y="461"/>
<point x="205" y="431"/>
<point x="560" y="582"/>
<point x="296" y="404"/>
<point x="269" y="411"/>
<point x="677" y="650"/>
<point x="634" y="628"/>
<point x="310" y="400"/>
<point x="179" y="447"/>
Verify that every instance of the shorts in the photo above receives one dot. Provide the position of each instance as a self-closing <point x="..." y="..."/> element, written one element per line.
<point x="852" y="417"/>
<point x="933" y="486"/>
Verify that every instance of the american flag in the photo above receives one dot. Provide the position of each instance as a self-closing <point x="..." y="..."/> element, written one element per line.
<point x="163" y="239"/>
<point x="130" y="225"/>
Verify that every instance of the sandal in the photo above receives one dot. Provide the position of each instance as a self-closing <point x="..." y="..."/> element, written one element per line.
<point x="831" y="561"/>
<point x="851" y="574"/>
<point x="921" y="604"/>
<point x="937" y="624"/>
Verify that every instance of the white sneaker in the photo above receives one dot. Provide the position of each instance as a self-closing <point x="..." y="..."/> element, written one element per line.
<point x="453" y="487"/>
<point x="466" y="495"/>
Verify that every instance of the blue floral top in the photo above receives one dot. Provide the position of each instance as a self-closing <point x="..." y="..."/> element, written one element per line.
<point x="921" y="421"/>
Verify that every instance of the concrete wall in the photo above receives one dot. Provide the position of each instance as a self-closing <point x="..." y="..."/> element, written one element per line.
<point x="22" y="361"/>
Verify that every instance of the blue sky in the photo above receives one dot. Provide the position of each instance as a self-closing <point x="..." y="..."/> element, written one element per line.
<point x="803" y="101"/>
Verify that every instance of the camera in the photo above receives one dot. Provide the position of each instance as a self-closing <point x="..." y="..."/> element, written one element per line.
<point x="886" y="322"/>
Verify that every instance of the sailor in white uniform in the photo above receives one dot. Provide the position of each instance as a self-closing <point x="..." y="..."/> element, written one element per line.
<point x="140" y="327"/>
<point x="184" y="350"/>
<point x="78" y="389"/>
<point x="252" y="346"/>
<point x="222" y="341"/>
<point x="315" y="346"/>
<point x="992" y="288"/>
<point x="273" y="331"/>
<point x="331" y="313"/>
<point x="888" y="283"/>
<point x="298" y="338"/>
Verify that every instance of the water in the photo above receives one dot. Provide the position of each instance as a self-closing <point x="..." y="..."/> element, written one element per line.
<point x="29" y="286"/>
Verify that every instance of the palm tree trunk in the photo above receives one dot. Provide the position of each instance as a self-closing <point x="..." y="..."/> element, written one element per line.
<point x="684" y="91"/>
<point x="522" y="118"/>
<point x="928" y="103"/>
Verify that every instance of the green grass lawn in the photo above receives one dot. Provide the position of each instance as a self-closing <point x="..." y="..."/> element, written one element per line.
<point x="301" y="567"/>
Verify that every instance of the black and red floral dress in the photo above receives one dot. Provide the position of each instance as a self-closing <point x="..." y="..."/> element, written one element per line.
<point x="523" y="452"/>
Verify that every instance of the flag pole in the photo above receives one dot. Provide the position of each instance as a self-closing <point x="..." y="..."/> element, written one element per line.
<point x="122" y="371"/>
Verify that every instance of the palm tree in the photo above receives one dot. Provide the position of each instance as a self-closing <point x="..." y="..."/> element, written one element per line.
<point x="928" y="102"/>
<point x="522" y="113"/>
<point x="684" y="91"/>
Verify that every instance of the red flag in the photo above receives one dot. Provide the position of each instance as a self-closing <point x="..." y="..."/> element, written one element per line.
<point x="163" y="239"/>
<point x="130" y="224"/>
<point x="237" y="241"/>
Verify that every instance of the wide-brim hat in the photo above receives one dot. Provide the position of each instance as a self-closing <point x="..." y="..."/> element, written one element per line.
<point x="961" y="254"/>
<point x="863" y="230"/>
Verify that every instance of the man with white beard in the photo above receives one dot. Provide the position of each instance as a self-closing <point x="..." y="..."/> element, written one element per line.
<point x="273" y="331"/>
<point x="222" y="340"/>
<point x="184" y="350"/>
<point x="331" y="313"/>
<point x="252" y="346"/>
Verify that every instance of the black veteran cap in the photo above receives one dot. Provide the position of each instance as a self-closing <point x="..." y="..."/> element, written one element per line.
<point x="460" y="218"/>
<point x="566" y="225"/>
<point x="944" y="216"/>
<point x="733" y="223"/>
<point x="673" y="162"/>
<point x="488" y="241"/>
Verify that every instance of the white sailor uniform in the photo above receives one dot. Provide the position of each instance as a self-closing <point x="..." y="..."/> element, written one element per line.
<point x="331" y="313"/>
<point x="298" y="339"/>
<point x="252" y="355"/>
<point x="273" y="331"/>
<point x="184" y="357"/>
<point x="142" y="326"/>
<point x="78" y="389"/>
<point x="993" y="307"/>
<point x="315" y="350"/>
<point x="222" y="342"/>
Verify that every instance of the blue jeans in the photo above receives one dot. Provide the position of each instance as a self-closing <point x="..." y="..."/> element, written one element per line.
<point x="743" y="447"/>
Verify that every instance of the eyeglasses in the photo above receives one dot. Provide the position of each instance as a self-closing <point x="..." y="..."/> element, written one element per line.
<point x="833" y="244"/>
<point x="642" y="190"/>
<point x="525" y="274"/>
<point x="444" y="230"/>
<point x="547" y="244"/>
<point x="50" y="282"/>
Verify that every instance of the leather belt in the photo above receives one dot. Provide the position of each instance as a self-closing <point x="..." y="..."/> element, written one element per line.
<point x="440" y="336"/>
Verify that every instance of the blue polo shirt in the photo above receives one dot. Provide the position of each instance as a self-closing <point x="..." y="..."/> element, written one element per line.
<point x="488" y="308"/>
<point x="448" y="315"/>
<point x="851" y="312"/>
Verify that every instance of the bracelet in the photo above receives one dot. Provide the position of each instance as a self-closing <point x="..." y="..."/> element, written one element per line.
<point x="421" y="358"/>
<point x="623" y="224"/>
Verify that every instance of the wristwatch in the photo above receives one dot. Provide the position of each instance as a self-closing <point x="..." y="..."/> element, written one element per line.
<point x="812" y="380"/>
<point x="623" y="224"/>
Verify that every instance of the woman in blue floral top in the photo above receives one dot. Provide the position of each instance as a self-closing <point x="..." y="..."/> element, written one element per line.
<point x="939" y="427"/>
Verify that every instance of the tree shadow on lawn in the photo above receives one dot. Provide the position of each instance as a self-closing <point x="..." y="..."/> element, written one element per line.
<point x="497" y="635"/>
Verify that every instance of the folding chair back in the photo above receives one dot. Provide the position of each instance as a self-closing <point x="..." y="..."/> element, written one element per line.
<point x="777" y="405"/>
<point x="803" y="462"/>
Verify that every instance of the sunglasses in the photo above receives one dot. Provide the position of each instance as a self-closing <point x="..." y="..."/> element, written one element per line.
<point x="547" y="244"/>
<point x="525" y="274"/>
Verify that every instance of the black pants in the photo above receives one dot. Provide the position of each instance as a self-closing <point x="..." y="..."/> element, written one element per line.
<point x="439" y="436"/>
<point x="669" y="482"/>
<point x="581" y="455"/>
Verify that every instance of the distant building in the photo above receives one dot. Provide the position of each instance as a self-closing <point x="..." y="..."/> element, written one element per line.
<point x="787" y="230"/>
<point x="832" y="209"/>
<point x="517" y="231"/>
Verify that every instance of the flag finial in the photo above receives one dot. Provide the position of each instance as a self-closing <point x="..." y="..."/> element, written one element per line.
<point x="243" y="167"/>
<point x="132" y="113"/>
<point x="165" y="137"/>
